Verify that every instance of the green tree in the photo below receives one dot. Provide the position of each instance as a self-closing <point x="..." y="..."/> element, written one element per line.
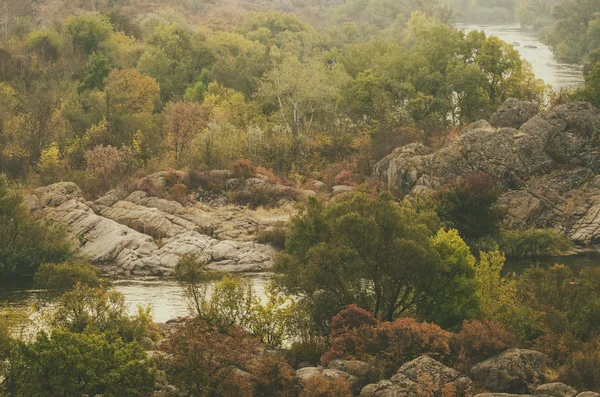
<point x="19" y="253"/>
<point x="471" y="206"/>
<point x="73" y="364"/>
<point x="370" y="251"/>
<point x="87" y="31"/>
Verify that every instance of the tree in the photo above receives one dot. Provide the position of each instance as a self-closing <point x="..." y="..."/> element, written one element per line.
<point x="471" y="206"/>
<point x="20" y="254"/>
<point x="129" y="92"/>
<point x="303" y="93"/>
<point x="73" y="364"/>
<point x="183" y="121"/>
<point x="87" y="31"/>
<point x="194" y="278"/>
<point x="370" y="251"/>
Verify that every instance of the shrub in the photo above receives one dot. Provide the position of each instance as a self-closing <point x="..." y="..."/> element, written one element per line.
<point x="533" y="242"/>
<point x="478" y="341"/>
<point x="582" y="370"/>
<point x="263" y="195"/>
<point x="388" y="345"/>
<point x="72" y="364"/>
<point x="350" y="318"/>
<point x="20" y="253"/>
<point x="98" y="310"/>
<point x="273" y="236"/>
<point x="203" y="360"/>
<point x="65" y="276"/>
<point x="320" y="387"/>
<point x="471" y="206"/>
<point x="273" y="377"/>
<point x="178" y="192"/>
<point x="243" y="169"/>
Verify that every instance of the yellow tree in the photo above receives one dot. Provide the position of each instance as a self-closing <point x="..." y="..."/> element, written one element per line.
<point x="129" y="91"/>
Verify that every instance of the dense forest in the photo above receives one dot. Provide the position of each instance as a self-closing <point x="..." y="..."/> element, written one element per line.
<point x="194" y="107"/>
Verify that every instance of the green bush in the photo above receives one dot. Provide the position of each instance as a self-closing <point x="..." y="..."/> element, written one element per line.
<point x="26" y="243"/>
<point x="533" y="242"/>
<point x="65" y="276"/>
<point x="273" y="236"/>
<point x="73" y="364"/>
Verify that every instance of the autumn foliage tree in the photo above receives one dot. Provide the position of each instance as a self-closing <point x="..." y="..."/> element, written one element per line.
<point x="183" y="122"/>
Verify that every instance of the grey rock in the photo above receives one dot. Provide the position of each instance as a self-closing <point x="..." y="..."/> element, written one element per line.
<point x="588" y="394"/>
<point x="513" y="113"/>
<point x="555" y="389"/>
<point x="438" y="374"/>
<point x="516" y="371"/>
<point x="340" y="189"/>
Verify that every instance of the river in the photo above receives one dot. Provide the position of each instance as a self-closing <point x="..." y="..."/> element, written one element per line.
<point x="540" y="56"/>
<point x="163" y="295"/>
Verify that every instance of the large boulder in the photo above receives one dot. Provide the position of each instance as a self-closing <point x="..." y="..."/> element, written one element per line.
<point x="516" y="371"/>
<point x="513" y="113"/>
<point x="329" y="373"/>
<point x="555" y="389"/>
<point x="423" y="376"/>
<point x="362" y="371"/>
<point x="435" y="373"/>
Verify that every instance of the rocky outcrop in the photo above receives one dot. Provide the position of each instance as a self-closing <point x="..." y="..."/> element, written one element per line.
<point x="423" y="376"/>
<point x="143" y="235"/>
<point x="549" y="168"/>
<point x="516" y="371"/>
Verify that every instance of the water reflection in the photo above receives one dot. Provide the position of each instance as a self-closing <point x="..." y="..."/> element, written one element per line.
<point x="543" y="63"/>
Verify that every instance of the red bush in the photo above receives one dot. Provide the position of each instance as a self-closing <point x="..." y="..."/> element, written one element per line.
<point x="178" y="193"/>
<point x="243" y="169"/>
<point x="356" y="335"/>
<point x="350" y="318"/>
<point x="478" y="341"/>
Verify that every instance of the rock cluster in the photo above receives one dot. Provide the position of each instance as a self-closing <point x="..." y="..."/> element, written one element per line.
<point x="549" y="168"/>
<point x="141" y="235"/>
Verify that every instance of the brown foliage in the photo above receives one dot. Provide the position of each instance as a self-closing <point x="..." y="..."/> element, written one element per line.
<point x="178" y="193"/>
<point x="106" y="167"/>
<point x="386" y="344"/>
<point x="273" y="377"/>
<point x="183" y="121"/>
<point x="203" y="360"/>
<point x="321" y="387"/>
<point x="478" y="341"/>
<point x="243" y="169"/>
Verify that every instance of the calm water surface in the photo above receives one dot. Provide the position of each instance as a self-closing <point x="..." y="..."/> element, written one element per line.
<point x="164" y="296"/>
<point x="543" y="63"/>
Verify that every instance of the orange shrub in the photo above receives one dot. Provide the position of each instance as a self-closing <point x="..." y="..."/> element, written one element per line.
<point x="321" y="387"/>
<point x="387" y="345"/>
<point x="272" y="376"/>
<point x="178" y="193"/>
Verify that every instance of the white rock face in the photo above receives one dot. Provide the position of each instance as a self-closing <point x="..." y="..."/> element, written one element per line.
<point x="142" y="235"/>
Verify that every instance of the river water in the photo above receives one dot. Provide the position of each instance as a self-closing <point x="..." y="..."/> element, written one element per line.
<point x="540" y="56"/>
<point x="164" y="296"/>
